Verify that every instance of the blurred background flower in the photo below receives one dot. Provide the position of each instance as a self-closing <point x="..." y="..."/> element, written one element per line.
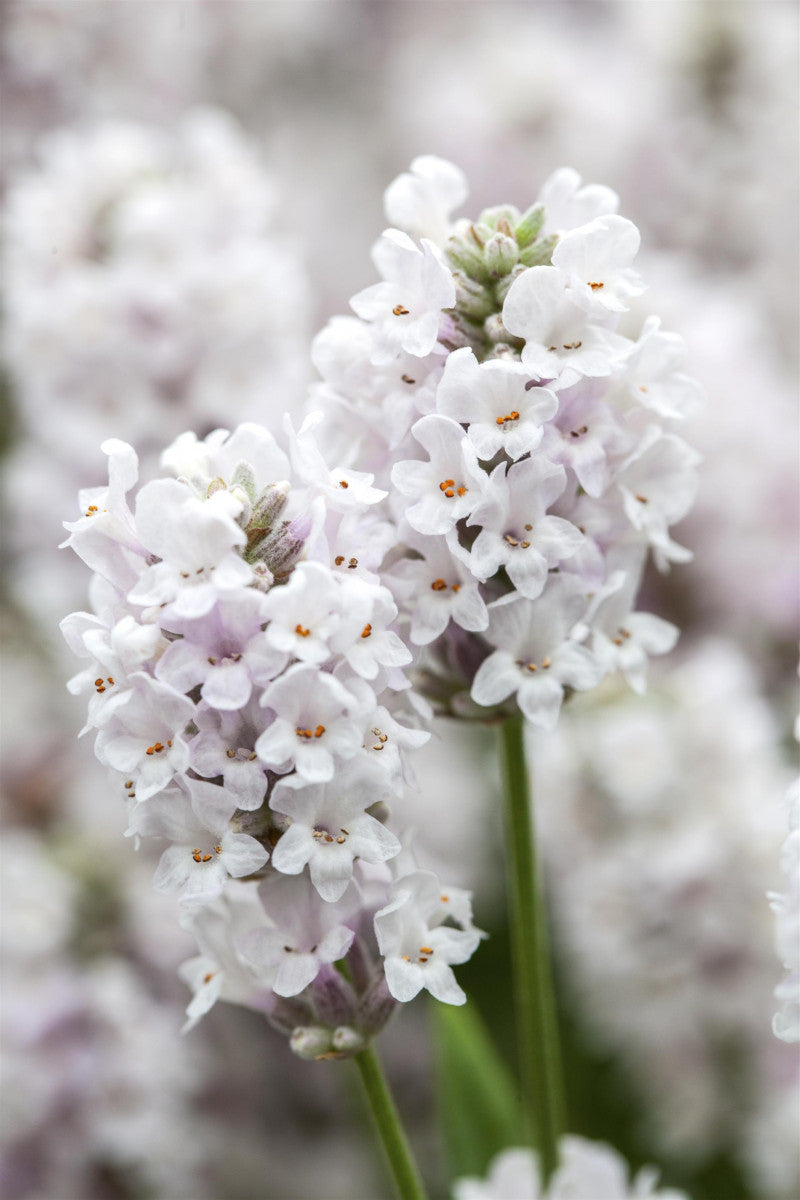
<point x="190" y="190"/>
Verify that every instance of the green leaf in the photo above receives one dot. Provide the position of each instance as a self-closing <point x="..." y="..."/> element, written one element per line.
<point x="478" y="1102"/>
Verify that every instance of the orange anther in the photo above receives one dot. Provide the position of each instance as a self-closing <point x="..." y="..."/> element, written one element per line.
<point x="366" y="631"/>
<point x="318" y="732"/>
<point x="399" y="311"/>
<point x="438" y="585"/>
<point x="339" y="559"/>
<point x="595" y="286"/>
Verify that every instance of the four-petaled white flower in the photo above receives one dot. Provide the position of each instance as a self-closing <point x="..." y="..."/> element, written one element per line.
<point x="329" y="829"/>
<point x="143" y="737"/>
<point x="313" y="724"/>
<point x="535" y="656"/>
<point x="418" y="951"/>
<point x="305" y="932"/>
<point x="498" y="401"/>
<point x="205" y="849"/>
<point x="596" y="260"/>
<point x="435" y="588"/>
<point x="516" y="532"/>
<point x="421" y="201"/>
<point x="405" y="309"/>
<point x="449" y="485"/>
<point x="561" y="342"/>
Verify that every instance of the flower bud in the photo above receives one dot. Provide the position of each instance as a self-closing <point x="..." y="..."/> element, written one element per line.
<point x="539" y="253"/>
<point x="466" y="257"/>
<point x="281" y="549"/>
<point x="244" y="477"/>
<point x="528" y="228"/>
<point x="472" y="299"/>
<point x="333" y="998"/>
<point x="269" y="505"/>
<point x="311" y="1041"/>
<point x="495" y="330"/>
<point x="262" y="518"/>
<point x="347" y="1041"/>
<point x="286" y="1014"/>
<point x="501" y="254"/>
<point x="502" y="217"/>
<point x="377" y="1006"/>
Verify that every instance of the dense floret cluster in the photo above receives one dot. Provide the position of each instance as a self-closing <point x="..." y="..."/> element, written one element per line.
<point x="472" y="495"/>
<point x="247" y="688"/>
<point x="528" y="446"/>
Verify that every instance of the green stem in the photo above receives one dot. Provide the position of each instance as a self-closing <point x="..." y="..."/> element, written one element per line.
<point x="537" y="1033"/>
<point x="401" y="1159"/>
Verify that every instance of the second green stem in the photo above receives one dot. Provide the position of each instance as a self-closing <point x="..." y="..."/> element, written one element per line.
<point x="537" y="1032"/>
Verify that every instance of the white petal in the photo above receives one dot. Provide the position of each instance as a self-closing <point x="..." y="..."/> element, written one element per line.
<point x="293" y="850"/>
<point x="404" y="980"/>
<point x="242" y="854"/>
<point x="496" y="678"/>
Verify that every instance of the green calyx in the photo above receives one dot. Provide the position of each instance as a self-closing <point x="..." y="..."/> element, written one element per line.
<point x="486" y="256"/>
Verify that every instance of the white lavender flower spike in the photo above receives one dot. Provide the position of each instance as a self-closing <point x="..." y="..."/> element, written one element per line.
<point x="467" y="505"/>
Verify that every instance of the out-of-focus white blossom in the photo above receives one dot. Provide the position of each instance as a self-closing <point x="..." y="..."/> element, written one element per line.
<point x="659" y="844"/>
<point x="786" y="906"/>
<point x="587" y="1171"/>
